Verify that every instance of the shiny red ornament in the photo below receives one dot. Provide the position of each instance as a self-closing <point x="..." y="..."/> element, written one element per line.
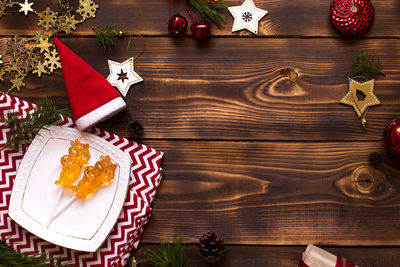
<point x="391" y="137"/>
<point x="177" y="25"/>
<point x="352" y="17"/>
<point x="201" y="30"/>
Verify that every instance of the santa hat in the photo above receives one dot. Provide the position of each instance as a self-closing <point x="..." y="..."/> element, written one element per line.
<point x="91" y="96"/>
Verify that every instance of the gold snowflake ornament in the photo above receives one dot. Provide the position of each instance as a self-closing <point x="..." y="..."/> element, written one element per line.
<point x="17" y="82"/>
<point x="52" y="60"/>
<point x="47" y="19"/>
<point x="87" y="9"/>
<point x="26" y="7"/>
<point x="44" y="45"/>
<point x="39" y="69"/>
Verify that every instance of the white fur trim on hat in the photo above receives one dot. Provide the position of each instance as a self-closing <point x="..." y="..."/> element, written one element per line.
<point x="100" y="114"/>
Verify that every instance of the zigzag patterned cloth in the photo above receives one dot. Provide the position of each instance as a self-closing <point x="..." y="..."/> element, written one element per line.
<point x="146" y="175"/>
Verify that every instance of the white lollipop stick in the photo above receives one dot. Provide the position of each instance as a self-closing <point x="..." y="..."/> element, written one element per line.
<point x="54" y="215"/>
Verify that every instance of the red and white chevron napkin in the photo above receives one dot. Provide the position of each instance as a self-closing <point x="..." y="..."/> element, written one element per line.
<point x="146" y="175"/>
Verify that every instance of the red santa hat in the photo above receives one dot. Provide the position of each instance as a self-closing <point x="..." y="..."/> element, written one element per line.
<point x="92" y="98"/>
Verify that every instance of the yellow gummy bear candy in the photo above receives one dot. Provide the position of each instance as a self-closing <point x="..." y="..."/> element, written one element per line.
<point x="94" y="177"/>
<point x="71" y="164"/>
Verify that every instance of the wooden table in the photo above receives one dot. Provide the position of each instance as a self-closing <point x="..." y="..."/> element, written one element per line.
<point x="257" y="147"/>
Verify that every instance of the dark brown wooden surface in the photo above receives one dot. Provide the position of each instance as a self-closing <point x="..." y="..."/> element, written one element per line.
<point x="257" y="147"/>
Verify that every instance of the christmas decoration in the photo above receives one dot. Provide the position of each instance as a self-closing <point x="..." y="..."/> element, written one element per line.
<point x="375" y="158"/>
<point x="136" y="130"/>
<point x="168" y="255"/>
<point x="24" y="127"/>
<point x="361" y="94"/>
<point x="201" y="30"/>
<point x="208" y="9"/>
<point x="93" y="102"/>
<point x="367" y="66"/>
<point x="316" y="257"/>
<point x="391" y="137"/>
<point x="352" y="17"/>
<point x="246" y="16"/>
<point x="26" y="7"/>
<point x="211" y="247"/>
<point x="177" y="25"/>
<point x="107" y="35"/>
<point x="122" y="75"/>
<point x="145" y="178"/>
<point x="34" y="54"/>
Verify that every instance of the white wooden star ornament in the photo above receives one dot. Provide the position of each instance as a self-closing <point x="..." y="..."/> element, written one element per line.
<point x="26" y="7"/>
<point x="246" y="16"/>
<point x="122" y="75"/>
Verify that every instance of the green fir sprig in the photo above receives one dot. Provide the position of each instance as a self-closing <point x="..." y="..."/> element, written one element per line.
<point x="168" y="255"/>
<point x="12" y="258"/>
<point x="24" y="128"/>
<point x="367" y="66"/>
<point x="208" y="9"/>
<point x="106" y="35"/>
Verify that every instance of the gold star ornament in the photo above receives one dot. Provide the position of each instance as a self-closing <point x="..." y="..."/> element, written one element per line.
<point x="361" y="96"/>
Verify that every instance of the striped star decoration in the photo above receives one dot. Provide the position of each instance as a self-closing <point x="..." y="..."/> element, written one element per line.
<point x="146" y="175"/>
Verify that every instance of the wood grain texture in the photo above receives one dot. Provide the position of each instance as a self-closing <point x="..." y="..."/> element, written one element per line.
<point x="286" y="18"/>
<point x="256" y="256"/>
<point x="270" y="193"/>
<point x="242" y="89"/>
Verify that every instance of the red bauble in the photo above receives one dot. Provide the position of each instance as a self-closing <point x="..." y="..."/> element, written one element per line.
<point x="352" y="17"/>
<point x="391" y="137"/>
<point x="201" y="30"/>
<point x="177" y="25"/>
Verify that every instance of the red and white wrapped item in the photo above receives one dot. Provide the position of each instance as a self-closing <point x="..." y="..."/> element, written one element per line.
<point x="317" y="257"/>
<point x="145" y="178"/>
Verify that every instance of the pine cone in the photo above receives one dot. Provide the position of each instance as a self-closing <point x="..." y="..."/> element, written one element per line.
<point x="211" y="247"/>
<point x="136" y="130"/>
<point x="375" y="158"/>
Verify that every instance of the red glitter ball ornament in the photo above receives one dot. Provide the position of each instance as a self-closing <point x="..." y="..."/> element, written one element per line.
<point x="352" y="17"/>
<point x="391" y="137"/>
<point x="177" y="25"/>
<point x="201" y="30"/>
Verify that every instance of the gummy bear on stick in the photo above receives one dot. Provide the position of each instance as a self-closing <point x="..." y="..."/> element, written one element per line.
<point x="94" y="177"/>
<point x="71" y="164"/>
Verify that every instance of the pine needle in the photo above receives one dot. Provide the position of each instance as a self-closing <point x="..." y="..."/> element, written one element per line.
<point x="168" y="255"/>
<point x="24" y="128"/>
<point x="367" y="66"/>
<point x="106" y="35"/>
<point x="11" y="258"/>
<point x="208" y="9"/>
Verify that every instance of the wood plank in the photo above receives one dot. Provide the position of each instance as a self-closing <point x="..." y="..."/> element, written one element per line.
<point x="255" y="256"/>
<point x="285" y="18"/>
<point x="277" y="193"/>
<point x="248" y="89"/>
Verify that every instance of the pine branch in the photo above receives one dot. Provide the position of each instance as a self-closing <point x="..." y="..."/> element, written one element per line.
<point x="11" y="258"/>
<point x="24" y="129"/>
<point x="208" y="9"/>
<point x="168" y="255"/>
<point x="367" y="66"/>
<point x="106" y="35"/>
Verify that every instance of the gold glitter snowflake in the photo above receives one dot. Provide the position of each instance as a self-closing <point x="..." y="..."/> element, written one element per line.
<point x="67" y="24"/>
<point x="16" y="46"/>
<point x="87" y="9"/>
<point x="40" y="68"/>
<point x="52" y="60"/>
<point x="47" y="19"/>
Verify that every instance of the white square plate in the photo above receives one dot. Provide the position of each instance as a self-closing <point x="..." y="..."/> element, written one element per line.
<point x="84" y="224"/>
